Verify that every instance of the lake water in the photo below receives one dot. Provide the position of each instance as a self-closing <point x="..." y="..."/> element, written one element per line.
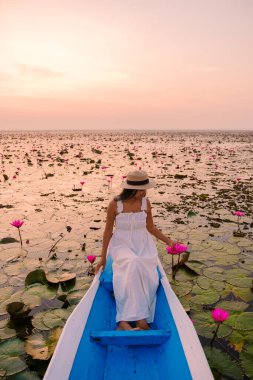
<point x="202" y="178"/>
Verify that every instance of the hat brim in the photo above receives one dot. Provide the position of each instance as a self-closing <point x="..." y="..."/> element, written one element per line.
<point x="149" y="185"/>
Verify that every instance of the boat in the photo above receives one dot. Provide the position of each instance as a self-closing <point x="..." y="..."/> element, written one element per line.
<point x="90" y="347"/>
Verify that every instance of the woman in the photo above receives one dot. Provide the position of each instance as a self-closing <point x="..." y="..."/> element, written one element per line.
<point x="133" y="251"/>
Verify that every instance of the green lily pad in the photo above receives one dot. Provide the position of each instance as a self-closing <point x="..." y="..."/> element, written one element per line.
<point x="237" y="339"/>
<point x="206" y="326"/>
<point x="14" y="269"/>
<point x="33" y="295"/>
<point x="215" y="273"/>
<point x="9" y="356"/>
<point x="231" y="249"/>
<point x="232" y="305"/>
<point x="5" y="331"/>
<point x="41" y="348"/>
<point x="241" y="321"/>
<point x="205" y="297"/>
<point x="247" y="359"/>
<point x="220" y="362"/>
<point x="8" y="240"/>
<point x="38" y="323"/>
<point x="55" y="318"/>
<point x="207" y="283"/>
<point x="35" y="277"/>
<point x="75" y="296"/>
<point x="25" y="375"/>
<point x="182" y="288"/>
<point x="241" y="282"/>
<point x="16" y="297"/>
<point x="195" y="265"/>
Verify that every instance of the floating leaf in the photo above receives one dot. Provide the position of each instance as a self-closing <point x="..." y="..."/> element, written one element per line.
<point x="220" y="362"/>
<point x="38" y="323"/>
<point x="33" y="294"/>
<point x="55" y="318"/>
<point x="247" y="360"/>
<point x="17" y="309"/>
<point x="191" y="213"/>
<point x="8" y="240"/>
<point x="215" y="273"/>
<point x="35" y="277"/>
<point x="25" y="375"/>
<point x="9" y="356"/>
<point x="206" y="297"/>
<point x="241" y="321"/>
<point x="5" y="331"/>
<point x="40" y="348"/>
<point x="232" y="305"/>
<point x="205" y="326"/>
<point x="182" y="288"/>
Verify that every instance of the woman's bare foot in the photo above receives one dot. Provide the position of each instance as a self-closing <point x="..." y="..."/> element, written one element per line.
<point x="142" y="324"/>
<point x="123" y="325"/>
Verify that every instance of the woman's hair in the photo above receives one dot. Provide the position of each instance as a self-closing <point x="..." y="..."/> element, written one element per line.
<point x="125" y="194"/>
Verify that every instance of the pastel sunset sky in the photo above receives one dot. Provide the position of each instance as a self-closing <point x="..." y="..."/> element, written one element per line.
<point x="117" y="64"/>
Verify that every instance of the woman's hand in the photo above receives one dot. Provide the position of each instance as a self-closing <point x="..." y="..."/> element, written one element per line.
<point x="100" y="264"/>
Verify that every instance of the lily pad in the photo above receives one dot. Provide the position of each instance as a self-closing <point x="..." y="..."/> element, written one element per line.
<point x="182" y="288"/>
<point x="241" y="321"/>
<point x="38" y="323"/>
<point x="232" y="305"/>
<point x="55" y="318"/>
<point x="247" y="360"/>
<point x="206" y="326"/>
<point x="9" y="356"/>
<point x="5" y="331"/>
<point x="220" y="362"/>
<point x="32" y="295"/>
<point x="204" y="297"/>
<point x="35" y="277"/>
<point x="40" y="348"/>
<point x="25" y="375"/>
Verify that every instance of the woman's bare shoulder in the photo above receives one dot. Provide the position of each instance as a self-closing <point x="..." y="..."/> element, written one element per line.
<point x="112" y="206"/>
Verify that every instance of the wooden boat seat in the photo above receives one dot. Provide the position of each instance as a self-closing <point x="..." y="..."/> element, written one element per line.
<point x="133" y="338"/>
<point x="106" y="276"/>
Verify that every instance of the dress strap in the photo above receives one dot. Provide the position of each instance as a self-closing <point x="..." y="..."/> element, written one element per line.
<point x="119" y="207"/>
<point x="144" y="204"/>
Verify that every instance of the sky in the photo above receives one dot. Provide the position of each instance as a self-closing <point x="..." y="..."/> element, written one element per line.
<point x="119" y="64"/>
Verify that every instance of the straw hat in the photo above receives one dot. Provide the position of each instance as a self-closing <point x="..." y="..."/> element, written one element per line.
<point x="138" y="180"/>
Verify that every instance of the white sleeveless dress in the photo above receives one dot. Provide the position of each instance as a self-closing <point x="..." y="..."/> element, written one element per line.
<point x="135" y="276"/>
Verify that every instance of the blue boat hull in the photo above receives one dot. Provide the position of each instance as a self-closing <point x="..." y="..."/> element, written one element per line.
<point x="90" y="347"/>
<point x="98" y="362"/>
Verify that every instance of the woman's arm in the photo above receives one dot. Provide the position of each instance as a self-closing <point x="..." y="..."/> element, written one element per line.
<point x="111" y="213"/>
<point x="153" y="229"/>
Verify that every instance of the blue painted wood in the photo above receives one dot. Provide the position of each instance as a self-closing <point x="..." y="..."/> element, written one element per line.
<point x="106" y="276"/>
<point x="97" y="362"/>
<point x="125" y="338"/>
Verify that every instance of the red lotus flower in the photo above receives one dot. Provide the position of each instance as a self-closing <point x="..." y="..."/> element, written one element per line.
<point x="17" y="223"/>
<point x="219" y="315"/>
<point x="91" y="258"/>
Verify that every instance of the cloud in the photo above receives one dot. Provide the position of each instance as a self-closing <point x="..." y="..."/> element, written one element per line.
<point x="37" y="71"/>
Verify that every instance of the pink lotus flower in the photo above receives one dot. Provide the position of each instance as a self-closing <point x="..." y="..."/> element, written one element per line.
<point x="219" y="315"/>
<point x="82" y="183"/>
<point x="238" y="213"/>
<point x="91" y="258"/>
<point x="123" y="177"/>
<point x="17" y="223"/>
<point x="238" y="179"/>
<point x="176" y="249"/>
